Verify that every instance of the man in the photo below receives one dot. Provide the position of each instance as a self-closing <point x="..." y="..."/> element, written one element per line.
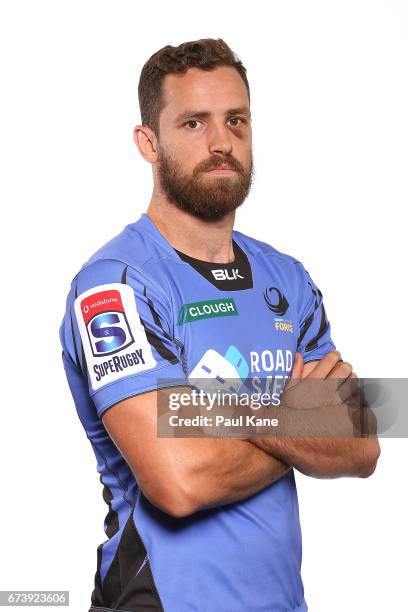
<point x="200" y="524"/>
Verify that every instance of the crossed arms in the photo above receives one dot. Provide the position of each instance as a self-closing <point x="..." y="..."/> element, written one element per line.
<point x="184" y="475"/>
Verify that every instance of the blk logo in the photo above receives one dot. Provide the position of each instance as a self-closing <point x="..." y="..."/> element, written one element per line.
<point x="223" y="274"/>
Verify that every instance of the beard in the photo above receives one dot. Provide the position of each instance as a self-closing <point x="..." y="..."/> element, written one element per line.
<point x="208" y="199"/>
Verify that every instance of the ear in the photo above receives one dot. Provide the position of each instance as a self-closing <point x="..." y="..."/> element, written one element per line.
<point x="146" y="141"/>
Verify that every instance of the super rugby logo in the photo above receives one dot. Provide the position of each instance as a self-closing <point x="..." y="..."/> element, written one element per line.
<point x="106" y="323"/>
<point x="113" y="338"/>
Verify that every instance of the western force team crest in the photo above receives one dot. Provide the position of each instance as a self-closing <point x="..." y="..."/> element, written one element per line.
<point x="114" y="341"/>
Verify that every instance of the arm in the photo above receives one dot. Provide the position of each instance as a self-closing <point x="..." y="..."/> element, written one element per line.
<point x="178" y="475"/>
<point x="318" y="456"/>
<point x="184" y="475"/>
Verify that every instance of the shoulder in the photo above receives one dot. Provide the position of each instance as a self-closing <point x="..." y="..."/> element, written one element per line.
<point x="131" y="247"/>
<point x="135" y="253"/>
<point x="257" y="248"/>
<point x="125" y="272"/>
<point x="288" y="269"/>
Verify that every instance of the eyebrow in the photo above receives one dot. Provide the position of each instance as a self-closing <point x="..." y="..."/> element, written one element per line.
<point x="195" y="114"/>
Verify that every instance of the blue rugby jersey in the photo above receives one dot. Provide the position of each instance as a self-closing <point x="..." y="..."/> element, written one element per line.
<point x="139" y="311"/>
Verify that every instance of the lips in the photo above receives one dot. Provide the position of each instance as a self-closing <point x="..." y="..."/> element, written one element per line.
<point x="224" y="167"/>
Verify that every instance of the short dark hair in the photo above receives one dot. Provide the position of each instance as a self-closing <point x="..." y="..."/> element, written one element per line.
<point x="205" y="53"/>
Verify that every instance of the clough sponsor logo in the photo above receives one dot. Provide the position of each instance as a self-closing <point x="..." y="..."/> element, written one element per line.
<point x="206" y="309"/>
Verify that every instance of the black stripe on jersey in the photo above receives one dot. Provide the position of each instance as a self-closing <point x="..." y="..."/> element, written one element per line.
<point x="153" y="338"/>
<point x="78" y="365"/>
<point x="129" y="583"/>
<point x="323" y="322"/>
<point x="315" y="294"/>
<point x="97" y="593"/>
<point x="84" y="365"/>
<point x="111" y="519"/>
<point x="157" y="320"/>
<point x="156" y="342"/>
<point x="84" y="368"/>
<point x="154" y="314"/>
<point x="305" y="327"/>
<point x="322" y="330"/>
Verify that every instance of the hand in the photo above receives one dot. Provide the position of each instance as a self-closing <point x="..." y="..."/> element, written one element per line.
<point x="327" y="393"/>
<point x="331" y="365"/>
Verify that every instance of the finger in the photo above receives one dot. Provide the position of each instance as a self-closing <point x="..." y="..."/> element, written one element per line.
<point x="297" y="370"/>
<point x="325" y="365"/>
<point x="349" y="390"/>
<point x="297" y="366"/>
<point x="342" y="369"/>
<point x="348" y="380"/>
<point x="367" y="418"/>
<point x="334" y="381"/>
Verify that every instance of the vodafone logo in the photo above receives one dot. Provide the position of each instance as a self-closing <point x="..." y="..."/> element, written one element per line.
<point x="89" y="307"/>
<point x="103" y="301"/>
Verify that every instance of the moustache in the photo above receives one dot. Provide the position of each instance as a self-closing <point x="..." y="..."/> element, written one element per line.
<point x="217" y="162"/>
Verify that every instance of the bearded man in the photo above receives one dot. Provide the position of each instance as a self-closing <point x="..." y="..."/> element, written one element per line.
<point x="206" y="524"/>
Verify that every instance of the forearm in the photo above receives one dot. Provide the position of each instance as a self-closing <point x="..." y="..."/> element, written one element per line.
<point x="326" y="427"/>
<point x="181" y="475"/>
<point x="324" y="457"/>
<point x="230" y="470"/>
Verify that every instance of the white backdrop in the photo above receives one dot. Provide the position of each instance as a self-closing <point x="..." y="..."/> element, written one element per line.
<point x="329" y="102"/>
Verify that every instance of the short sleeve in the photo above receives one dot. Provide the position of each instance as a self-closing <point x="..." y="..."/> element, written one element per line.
<point x="314" y="340"/>
<point x="118" y="324"/>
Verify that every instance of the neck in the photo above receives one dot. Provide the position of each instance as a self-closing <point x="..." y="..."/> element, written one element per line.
<point x="205" y="240"/>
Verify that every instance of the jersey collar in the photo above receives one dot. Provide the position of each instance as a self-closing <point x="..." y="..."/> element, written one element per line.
<point x="233" y="276"/>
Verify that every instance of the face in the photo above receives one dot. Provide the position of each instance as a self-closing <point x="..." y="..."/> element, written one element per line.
<point x="205" y="162"/>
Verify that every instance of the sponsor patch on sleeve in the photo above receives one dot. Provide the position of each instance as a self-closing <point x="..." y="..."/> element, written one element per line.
<point x="114" y="340"/>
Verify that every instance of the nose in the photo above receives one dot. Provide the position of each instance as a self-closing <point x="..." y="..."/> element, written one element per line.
<point x="219" y="139"/>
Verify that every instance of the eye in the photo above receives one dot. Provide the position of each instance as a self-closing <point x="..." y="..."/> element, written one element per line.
<point x="192" y="124"/>
<point x="236" y="119"/>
